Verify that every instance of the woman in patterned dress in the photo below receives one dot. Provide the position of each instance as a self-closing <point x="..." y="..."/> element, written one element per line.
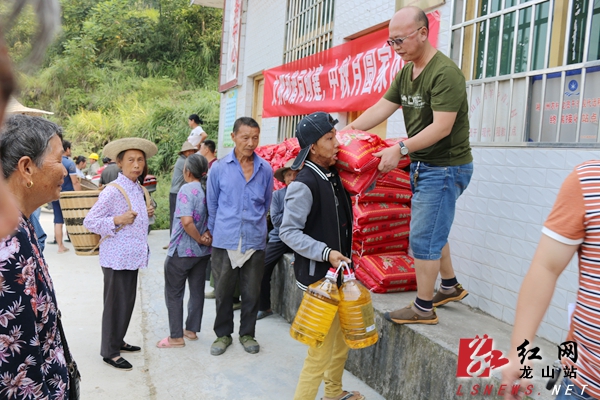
<point x="188" y="255"/>
<point x="32" y="358"/>
<point x="124" y="247"/>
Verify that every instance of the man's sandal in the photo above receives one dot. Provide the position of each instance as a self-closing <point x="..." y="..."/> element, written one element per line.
<point x="346" y="395"/>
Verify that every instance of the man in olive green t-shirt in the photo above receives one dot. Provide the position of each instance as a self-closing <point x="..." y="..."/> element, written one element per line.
<point x="431" y="90"/>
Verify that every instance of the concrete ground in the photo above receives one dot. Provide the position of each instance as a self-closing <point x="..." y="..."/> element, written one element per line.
<point x="184" y="373"/>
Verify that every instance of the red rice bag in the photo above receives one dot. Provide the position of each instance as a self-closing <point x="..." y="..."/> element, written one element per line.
<point x="356" y="149"/>
<point x="361" y="248"/>
<point x="356" y="183"/>
<point x="385" y="194"/>
<point x="368" y="213"/>
<point x="374" y="287"/>
<point x="266" y="152"/>
<point x="278" y="154"/>
<point x="379" y="227"/>
<point x="396" y="178"/>
<point x="379" y="236"/>
<point x="292" y="144"/>
<point x="393" y="269"/>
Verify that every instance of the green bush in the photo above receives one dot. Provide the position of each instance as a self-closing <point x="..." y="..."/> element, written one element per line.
<point x="161" y="196"/>
<point x="123" y="68"/>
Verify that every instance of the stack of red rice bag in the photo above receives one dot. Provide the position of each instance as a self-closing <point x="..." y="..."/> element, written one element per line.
<point x="278" y="154"/>
<point x="381" y="215"/>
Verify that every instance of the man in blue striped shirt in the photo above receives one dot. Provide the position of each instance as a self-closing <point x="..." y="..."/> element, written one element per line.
<point x="239" y="191"/>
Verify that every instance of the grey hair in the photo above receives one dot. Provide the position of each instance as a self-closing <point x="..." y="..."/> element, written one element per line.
<point x="48" y="16"/>
<point x="197" y="165"/>
<point x="25" y="136"/>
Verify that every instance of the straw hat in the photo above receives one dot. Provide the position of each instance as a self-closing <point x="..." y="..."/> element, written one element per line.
<point x="187" y="146"/>
<point x="112" y="149"/>
<point x="14" y="107"/>
<point x="280" y="173"/>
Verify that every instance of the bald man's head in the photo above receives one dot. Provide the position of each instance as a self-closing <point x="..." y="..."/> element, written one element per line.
<point x="417" y="15"/>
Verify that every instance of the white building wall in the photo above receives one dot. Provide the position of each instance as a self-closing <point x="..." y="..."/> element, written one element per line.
<point x="261" y="47"/>
<point x="352" y="16"/>
<point x="498" y="224"/>
<point x="266" y="35"/>
<point x="499" y="217"/>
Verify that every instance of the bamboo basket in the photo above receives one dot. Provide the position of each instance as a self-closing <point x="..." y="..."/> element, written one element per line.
<point x="75" y="206"/>
<point x="86" y="184"/>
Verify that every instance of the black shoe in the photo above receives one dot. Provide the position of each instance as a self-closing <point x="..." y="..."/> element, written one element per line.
<point x="119" y="363"/>
<point x="263" y="314"/>
<point x="52" y="242"/>
<point x="131" y="349"/>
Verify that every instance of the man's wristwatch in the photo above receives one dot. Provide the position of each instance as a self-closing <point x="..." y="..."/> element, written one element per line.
<point x="403" y="149"/>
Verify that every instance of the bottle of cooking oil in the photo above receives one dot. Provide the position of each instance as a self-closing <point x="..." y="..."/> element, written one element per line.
<point x="357" y="317"/>
<point x="317" y="310"/>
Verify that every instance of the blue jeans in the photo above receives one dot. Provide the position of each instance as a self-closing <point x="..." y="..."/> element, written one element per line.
<point x="574" y="392"/>
<point x="435" y="191"/>
<point x="39" y="231"/>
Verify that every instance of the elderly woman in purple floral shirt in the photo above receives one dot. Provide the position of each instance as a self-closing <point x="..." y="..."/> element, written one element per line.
<point x="124" y="247"/>
<point x="188" y="255"/>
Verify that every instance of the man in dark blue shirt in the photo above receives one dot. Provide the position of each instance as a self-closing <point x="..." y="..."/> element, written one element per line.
<point x="70" y="183"/>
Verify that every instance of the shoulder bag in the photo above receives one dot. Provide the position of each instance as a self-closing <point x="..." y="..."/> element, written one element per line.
<point x="74" y="375"/>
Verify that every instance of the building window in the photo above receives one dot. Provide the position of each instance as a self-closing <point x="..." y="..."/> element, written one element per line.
<point x="308" y="30"/>
<point x="531" y="67"/>
<point x="259" y="95"/>
<point x="578" y="32"/>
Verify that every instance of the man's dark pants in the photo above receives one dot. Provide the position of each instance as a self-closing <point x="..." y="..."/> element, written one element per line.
<point x="172" y="204"/>
<point x="273" y="253"/>
<point x="250" y="276"/>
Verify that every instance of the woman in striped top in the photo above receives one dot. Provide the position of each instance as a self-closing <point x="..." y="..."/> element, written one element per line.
<point x="572" y="226"/>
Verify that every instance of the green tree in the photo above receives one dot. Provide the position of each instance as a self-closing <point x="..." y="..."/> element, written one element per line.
<point x="128" y="68"/>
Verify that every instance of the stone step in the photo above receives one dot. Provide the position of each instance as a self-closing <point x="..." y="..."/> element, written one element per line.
<point x="417" y="362"/>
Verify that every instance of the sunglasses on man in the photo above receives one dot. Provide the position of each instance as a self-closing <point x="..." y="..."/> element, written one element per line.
<point x="399" y="41"/>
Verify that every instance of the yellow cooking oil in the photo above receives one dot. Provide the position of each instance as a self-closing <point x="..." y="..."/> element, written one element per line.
<point x="357" y="317"/>
<point x="317" y="311"/>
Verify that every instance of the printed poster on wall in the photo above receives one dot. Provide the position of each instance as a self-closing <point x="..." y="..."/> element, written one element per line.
<point x="350" y="77"/>
<point x="566" y="114"/>
<point x="497" y="114"/>
<point x="230" y="117"/>
<point x="231" y="50"/>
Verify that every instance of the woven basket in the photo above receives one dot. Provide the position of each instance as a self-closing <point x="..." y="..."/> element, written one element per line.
<point x="75" y="206"/>
<point x="86" y="184"/>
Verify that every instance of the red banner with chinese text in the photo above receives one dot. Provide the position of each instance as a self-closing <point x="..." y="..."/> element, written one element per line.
<point x="350" y="77"/>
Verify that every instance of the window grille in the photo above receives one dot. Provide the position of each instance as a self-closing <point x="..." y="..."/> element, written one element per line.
<point x="308" y="30"/>
<point x="531" y="67"/>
